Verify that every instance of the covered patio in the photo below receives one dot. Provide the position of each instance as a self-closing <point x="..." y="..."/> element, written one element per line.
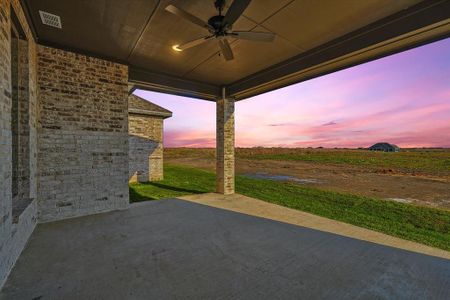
<point x="69" y="67"/>
<point x="222" y="247"/>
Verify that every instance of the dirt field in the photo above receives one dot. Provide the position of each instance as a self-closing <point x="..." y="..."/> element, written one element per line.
<point x="413" y="176"/>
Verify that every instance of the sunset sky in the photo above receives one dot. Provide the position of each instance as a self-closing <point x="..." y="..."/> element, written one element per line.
<point x="402" y="99"/>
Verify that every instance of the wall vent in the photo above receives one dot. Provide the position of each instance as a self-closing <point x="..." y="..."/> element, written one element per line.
<point x="50" y="19"/>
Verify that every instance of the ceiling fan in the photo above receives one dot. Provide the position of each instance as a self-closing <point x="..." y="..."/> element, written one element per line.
<point x="220" y="27"/>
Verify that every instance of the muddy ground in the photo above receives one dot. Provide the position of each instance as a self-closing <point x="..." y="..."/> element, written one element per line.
<point x="417" y="189"/>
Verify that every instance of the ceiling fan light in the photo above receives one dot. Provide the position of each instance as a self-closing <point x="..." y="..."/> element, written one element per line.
<point x="176" y="48"/>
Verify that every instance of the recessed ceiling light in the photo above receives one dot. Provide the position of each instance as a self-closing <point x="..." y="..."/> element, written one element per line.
<point x="175" y="47"/>
<point x="50" y="19"/>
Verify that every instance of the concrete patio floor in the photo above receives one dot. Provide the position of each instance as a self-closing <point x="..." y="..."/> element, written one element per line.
<point x="189" y="249"/>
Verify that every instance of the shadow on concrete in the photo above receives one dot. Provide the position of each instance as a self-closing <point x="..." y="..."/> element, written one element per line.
<point x="174" y="249"/>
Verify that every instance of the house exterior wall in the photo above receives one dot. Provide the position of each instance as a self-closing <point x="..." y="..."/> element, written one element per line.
<point x="71" y="136"/>
<point x="145" y="148"/>
<point x="83" y="135"/>
<point x="16" y="229"/>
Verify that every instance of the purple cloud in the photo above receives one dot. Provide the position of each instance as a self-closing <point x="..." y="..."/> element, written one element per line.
<point x="330" y="123"/>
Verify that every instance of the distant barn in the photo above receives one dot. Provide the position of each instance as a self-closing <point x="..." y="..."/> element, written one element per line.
<point x="386" y="147"/>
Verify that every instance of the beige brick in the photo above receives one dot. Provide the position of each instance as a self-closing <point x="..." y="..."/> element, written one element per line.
<point x="83" y="145"/>
<point x="15" y="229"/>
<point x="145" y="122"/>
<point x="225" y="146"/>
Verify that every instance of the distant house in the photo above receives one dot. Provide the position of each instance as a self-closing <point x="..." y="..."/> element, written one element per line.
<point x="386" y="147"/>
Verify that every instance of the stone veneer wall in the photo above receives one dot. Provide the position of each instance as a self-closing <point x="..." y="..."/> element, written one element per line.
<point x="225" y="146"/>
<point x="145" y="147"/>
<point x="15" y="230"/>
<point x="24" y="123"/>
<point x="83" y="135"/>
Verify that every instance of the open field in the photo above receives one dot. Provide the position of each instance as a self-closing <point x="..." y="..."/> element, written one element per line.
<point x="421" y="224"/>
<point x="434" y="162"/>
<point x="417" y="176"/>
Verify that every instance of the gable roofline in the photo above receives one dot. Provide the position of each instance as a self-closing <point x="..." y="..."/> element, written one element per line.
<point x="135" y="111"/>
<point x="140" y="106"/>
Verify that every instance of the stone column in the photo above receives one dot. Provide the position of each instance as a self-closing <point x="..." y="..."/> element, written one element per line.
<point x="225" y="146"/>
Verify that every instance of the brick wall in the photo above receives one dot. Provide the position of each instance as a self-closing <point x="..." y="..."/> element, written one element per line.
<point x="15" y="230"/>
<point x="145" y="148"/>
<point x="225" y="146"/>
<point x="83" y="135"/>
<point x="5" y="121"/>
<point x="23" y="122"/>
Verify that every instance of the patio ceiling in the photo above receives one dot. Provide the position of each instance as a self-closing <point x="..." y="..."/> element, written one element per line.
<point x="312" y="38"/>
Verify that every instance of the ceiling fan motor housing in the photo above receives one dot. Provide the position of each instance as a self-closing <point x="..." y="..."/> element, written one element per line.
<point x="217" y="23"/>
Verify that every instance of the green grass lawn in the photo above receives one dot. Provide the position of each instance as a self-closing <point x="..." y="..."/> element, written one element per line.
<point x="421" y="224"/>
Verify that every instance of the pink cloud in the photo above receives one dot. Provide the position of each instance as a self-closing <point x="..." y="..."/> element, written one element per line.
<point x="194" y="139"/>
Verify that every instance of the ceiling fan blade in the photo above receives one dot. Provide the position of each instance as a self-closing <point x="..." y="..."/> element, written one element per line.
<point x="192" y="43"/>
<point x="253" y="36"/>
<point x="235" y="11"/>
<point x="226" y="49"/>
<point x="184" y="14"/>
